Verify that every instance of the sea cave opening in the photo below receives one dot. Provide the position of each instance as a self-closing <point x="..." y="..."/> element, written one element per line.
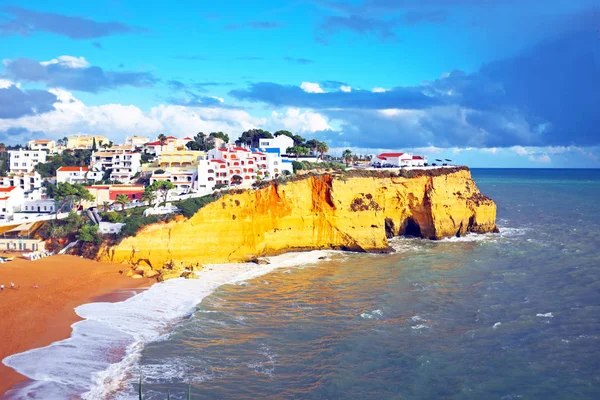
<point x="412" y="228"/>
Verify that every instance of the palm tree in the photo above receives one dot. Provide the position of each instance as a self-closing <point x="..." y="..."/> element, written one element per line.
<point x="122" y="199"/>
<point x="149" y="196"/>
<point x="106" y="206"/>
<point x="347" y="156"/>
<point x="322" y="148"/>
<point x="163" y="140"/>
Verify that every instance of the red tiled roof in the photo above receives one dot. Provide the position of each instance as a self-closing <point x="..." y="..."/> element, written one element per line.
<point x="157" y="143"/>
<point x="187" y="138"/>
<point x="42" y="141"/>
<point x="259" y="154"/>
<point x="390" y="155"/>
<point x="72" y="169"/>
<point x="4" y="198"/>
<point x="417" y="158"/>
<point x="240" y="149"/>
<point x="219" y="161"/>
<point x="7" y="189"/>
<point x="171" y="137"/>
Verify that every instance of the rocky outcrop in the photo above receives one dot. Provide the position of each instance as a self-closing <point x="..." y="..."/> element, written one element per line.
<point x="355" y="211"/>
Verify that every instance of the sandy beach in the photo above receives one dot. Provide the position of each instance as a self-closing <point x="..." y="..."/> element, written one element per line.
<point x="32" y="318"/>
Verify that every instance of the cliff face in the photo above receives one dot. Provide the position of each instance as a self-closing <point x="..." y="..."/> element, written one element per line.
<point x="319" y="212"/>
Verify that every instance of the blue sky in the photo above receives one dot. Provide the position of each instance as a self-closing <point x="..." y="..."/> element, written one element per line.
<point x="488" y="83"/>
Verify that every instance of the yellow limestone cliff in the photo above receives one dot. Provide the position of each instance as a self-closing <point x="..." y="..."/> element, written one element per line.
<point x="354" y="211"/>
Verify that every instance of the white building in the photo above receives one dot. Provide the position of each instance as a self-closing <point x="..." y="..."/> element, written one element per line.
<point x="72" y="175"/>
<point x="206" y="175"/>
<point x="110" y="228"/>
<point x="125" y="166"/>
<point x="27" y="181"/>
<point x="281" y="142"/>
<point x="43" y="206"/>
<point x="399" y="160"/>
<point x="183" y="180"/>
<point x="136" y="141"/>
<point x="11" y="199"/>
<point x="25" y="160"/>
<point x="42" y="144"/>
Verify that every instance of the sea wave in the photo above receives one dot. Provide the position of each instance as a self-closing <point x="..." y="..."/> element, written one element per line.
<point x="102" y="354"/>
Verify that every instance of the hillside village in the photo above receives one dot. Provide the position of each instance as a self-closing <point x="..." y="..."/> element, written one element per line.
<point x="46" y="179"/>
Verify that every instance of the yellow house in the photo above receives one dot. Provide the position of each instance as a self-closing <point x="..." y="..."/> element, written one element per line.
<point x="85" y="141"/>
<point x="42" y="144"/>
<point x="182" y="158"/>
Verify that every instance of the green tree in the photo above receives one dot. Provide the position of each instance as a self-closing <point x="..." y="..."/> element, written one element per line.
<point x="122" y="199"/>
<point x="298" y="151"/>
<point x="66" y="193"/>
<point x="347" y="156"/>
<point x="149" y="196"/>
<point x="163" y="140"/>
<point x="201" y="142"/>
<point x="94" y="146"/>
<point x="322" y="148"/>
<point x="89" y="233"/>
<point x="298" y="140"/>
<point x="252" y="137"/>
<point x="161" y="188"/>
<point x="219" y="135"/>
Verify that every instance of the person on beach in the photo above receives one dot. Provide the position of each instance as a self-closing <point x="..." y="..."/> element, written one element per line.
<point x="1" y="287"/>
<point x="12" y="285"/>
<point x="35" y="286"/>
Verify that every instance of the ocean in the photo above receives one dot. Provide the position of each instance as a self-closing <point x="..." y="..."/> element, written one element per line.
<point x="514" y="315"/>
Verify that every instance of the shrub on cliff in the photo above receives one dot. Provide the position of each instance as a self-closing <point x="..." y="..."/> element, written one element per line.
<point x="191" y="206"/>
<point x="135" y="222"/>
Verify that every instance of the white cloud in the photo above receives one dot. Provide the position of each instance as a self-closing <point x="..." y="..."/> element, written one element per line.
<point x="541" y="158"/>
<point x="5" y="83"/>
<point x="520" y="150"/>
<point x="492" y="150"/>
<point x="379" y="90"/>
<point x="311" y="87"/>
<point x="218" y="98"/>
<point x="297" y="121"/>
<point x="68" y="61"/>
<point x="116" y="121"/>
<point x="345" y="88"/>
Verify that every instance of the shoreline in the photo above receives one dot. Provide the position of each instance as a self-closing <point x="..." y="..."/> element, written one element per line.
<point x="46" y="314"/>
<point x="165" y="312"/>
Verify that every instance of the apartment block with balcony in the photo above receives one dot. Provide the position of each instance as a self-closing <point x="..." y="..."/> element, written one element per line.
<point x="29" y="181"/>
<point x="42" y="144"/>
<point x="24" y="161"/>
<point x="85" y="142"/>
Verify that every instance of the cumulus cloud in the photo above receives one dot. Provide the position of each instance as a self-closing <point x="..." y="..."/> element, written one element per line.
<point x="16" y="102"/>
<point x="345" y="88"/>
<point x="310" y="87"/>
<point x="71" y="116"/>
<point x="545" y="96"/>
<point x="74" y="73"/>
<point x="296" y="121"/>
<point x="25" y="22"/>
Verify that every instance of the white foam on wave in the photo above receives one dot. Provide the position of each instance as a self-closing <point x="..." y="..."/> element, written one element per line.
<point x="101" y="355"/>
<point x="373" y="314"/>
<point x="547" y="315"/>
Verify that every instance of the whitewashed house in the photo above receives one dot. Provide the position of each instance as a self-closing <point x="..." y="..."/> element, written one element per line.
<point x="72" y="175"/>
<point x="29" y="181"/>
<point x="11" y="199"/>
<point x="24" y="161"/>
<point x="41" y="206"/>
<point x="281" y="142"/>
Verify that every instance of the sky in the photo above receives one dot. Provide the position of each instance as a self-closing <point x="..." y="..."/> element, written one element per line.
<point x="486" y="83"/>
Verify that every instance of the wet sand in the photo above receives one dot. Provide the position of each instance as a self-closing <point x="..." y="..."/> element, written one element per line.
<point x="31" y="318"/>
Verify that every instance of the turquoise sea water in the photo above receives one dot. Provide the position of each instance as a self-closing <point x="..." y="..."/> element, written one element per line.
<point x="505" y="316"/>
<point x="514" y="315"/>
